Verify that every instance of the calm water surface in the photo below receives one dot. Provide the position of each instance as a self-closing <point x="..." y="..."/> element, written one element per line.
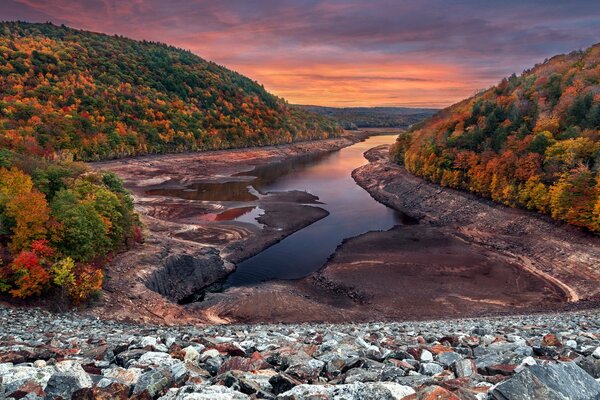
<point x="352" y="212"/>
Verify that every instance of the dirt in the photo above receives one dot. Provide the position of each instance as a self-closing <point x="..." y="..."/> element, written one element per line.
<point x="559" y="253"/>
<point x="465" y="257"/>
<point x="186" y="234"/>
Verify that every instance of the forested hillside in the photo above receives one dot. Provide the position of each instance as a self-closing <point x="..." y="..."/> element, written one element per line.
<point x="373" y="117"/>
<point x="59" y="225"/>
<point x="66" y="93"/>
<point x="532" y="141"/>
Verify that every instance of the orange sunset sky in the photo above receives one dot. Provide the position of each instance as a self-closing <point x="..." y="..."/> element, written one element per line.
<point x="428" y="53"/>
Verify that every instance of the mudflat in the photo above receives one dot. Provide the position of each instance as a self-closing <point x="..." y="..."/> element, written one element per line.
<point x="463" y="257"/>
<point x="179" y="222"/>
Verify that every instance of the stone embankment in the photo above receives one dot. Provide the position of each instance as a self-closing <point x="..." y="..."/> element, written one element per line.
<point x="45" y="356"/>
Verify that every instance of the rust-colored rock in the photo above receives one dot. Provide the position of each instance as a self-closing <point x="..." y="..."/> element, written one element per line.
<point x="436" y="393"/>
<point x="439" y="349"/>
<point x="254" y="363"/>
<point x="230" y="349"/>
<point x="551" y="340"/>
<point x="501" y="369"/>
<point x="114" y="391"/>
<point x="25" y="389"/>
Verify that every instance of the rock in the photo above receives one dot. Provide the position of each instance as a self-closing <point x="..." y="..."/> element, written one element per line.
<point x="361" y="375"/>
<point x="125" y="376"/>
<point x="501" y="369"/>
<point x="114" y="391"/>
<point x="282" y="382"/>
<point x="448" y="358"/>
<point x="596" y="352"/>
<point x="426" y="356"/>
<point x="589" y="364"/>
<point x="464" y="368"/>
<point x="13" y="377"/>
<point x="255" y="362"/>
<point x="430" y="369"/>
<point x="64" y="384"/>
<point x="29" y="387"/>
<point x="153" y="382"/>
<point x="549" y="382"/>
<point x="124" y="358"/>
<point x="204" y="393"/>
<point x="305" y="370"/>
<point x="191" y="355"/>
<point x="551" y="340"/>
<point x="355" y="391"/>
<point x="571" y="343"/>
<point x="435" y="393"/>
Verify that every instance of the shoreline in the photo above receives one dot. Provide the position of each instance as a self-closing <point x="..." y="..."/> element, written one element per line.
<point x="390" y="184"/>
<point x="143" y="284"/>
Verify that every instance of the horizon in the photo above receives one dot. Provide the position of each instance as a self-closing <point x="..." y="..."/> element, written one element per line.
<point x="344" y="53"/>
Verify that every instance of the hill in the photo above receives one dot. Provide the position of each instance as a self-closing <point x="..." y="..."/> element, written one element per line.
<point x="71" y="93"/>
<point x="373" y="117"/>
<point x="531" y="141"/>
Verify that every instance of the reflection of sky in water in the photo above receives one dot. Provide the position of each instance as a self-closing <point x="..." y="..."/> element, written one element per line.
<point x="239" y="214"/>
<point x="352" y="212"/>
<point x="250" y="216"/>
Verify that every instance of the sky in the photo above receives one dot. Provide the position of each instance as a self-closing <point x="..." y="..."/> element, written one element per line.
<point x="421" y="53"/>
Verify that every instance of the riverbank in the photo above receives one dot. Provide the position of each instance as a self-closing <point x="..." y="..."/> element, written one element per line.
<point x="466" y="256"/>
<point x="546" y="356"/>
<point x="562" y="255"/>
<point x="193" y="242"/>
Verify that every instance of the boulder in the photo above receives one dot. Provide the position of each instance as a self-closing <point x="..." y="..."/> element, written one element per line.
<point x="114" y="391"/>
<point x="354" y="391"/>
<point x="549" y="382"/>
<point x="154" y="382"/>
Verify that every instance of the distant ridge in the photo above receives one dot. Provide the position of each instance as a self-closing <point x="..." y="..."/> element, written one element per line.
<point x="373" y="117"/>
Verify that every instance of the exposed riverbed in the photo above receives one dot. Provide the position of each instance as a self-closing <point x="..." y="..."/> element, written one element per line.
<point x="299" y="240"/>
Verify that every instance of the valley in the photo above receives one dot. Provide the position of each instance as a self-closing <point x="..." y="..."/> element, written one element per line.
<point x="269" y="235"/>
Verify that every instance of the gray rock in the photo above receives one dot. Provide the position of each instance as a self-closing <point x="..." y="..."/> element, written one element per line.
<point x="153" y="381"/>
<point x="448" y="358"/>
<point x="549" y="382"/>
<point x="64" y="384"/>
<point x="354" y="391"/>
<point x="430" y="369"/>
<point x="204" y="393"/>
<point x="464" y="368"/>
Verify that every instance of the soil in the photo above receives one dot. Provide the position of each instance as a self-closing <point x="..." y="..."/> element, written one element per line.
<point x="184" y="233"/>
<point x="465" y="257"/>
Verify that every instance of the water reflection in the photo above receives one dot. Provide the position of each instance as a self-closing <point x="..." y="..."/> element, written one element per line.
<point x="352" y="212"/>
<point x="260" y="178"/>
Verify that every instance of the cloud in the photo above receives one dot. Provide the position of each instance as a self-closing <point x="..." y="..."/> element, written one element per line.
<point x="346" y="52"/>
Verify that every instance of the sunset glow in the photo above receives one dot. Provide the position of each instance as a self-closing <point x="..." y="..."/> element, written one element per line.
<point x="345" y="53"/>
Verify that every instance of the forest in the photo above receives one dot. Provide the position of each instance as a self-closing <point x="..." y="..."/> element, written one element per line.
<point x="354" y="118"/>
<point x="60" y="223"/>
<point x="532" y="141"/>
<point x="75" y="95"/>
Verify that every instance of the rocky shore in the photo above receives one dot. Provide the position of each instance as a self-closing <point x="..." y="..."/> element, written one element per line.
<point x="548" y="356"/>
<point x="562" y="255"/>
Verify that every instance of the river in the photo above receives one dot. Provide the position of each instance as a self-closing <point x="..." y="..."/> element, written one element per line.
<point x="352" y="211"/>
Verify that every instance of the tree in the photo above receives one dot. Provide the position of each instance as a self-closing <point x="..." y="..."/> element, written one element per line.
<point x="28" y="276"/>
<point x="25" y="208"/>
<point x="62" y="275"/>
<point x="88" y="281"/>
<point x="83" y="233"/>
